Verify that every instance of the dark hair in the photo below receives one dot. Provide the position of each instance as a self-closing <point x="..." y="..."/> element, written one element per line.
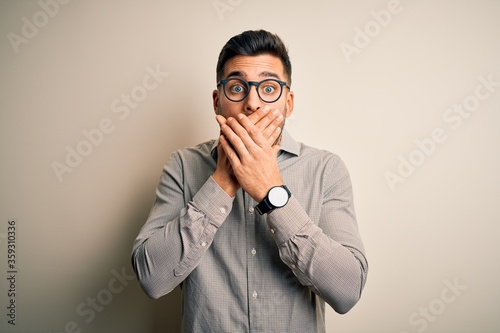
<point x="253" y="43"/>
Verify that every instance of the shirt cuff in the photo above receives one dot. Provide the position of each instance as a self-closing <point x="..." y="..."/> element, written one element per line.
<point x="213" y="201"/>
<point x="287" y="221"/>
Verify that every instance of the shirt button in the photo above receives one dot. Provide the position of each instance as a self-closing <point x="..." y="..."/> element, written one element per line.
<point x="253" y="251"/>
<point x="254" y="294"/>
<point x="222" y="210"/>
<point x="272" y="230"/>
<point x="204" y="244"/>
<point x="293" y="266"/>
<point x="251" y="209"/>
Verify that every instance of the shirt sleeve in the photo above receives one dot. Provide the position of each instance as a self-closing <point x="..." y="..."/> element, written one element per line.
<point x="327" y="257"/>
<point x="176" y="235"/>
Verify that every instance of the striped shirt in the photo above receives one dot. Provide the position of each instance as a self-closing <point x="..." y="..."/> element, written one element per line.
<point x="243" y="272"/>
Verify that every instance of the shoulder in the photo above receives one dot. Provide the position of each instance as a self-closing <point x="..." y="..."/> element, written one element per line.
<point x="319" y="155"/>
<point x="328" y="165"/>
<point x="300" y="151"/>
<point x="202" y="150"/>
<point x="194" y="163"/>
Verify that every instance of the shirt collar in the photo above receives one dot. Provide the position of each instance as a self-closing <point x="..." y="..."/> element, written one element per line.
<point x="287" y="144"/>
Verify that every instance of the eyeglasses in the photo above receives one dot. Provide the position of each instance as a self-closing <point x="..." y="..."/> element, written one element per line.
<point x="236" y="90"/>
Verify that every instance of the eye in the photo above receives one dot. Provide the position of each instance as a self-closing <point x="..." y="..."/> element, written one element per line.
<point x="269" y="89"/>
<point x="237" y="88"/>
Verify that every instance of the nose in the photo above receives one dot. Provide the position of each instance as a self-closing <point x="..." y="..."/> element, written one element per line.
<point x="252" y="101"/>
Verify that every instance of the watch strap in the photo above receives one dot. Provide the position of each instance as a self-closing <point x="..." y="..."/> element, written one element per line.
<point x="264" y="206"/>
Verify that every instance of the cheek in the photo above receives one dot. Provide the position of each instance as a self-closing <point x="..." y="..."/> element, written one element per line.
<point x="228" y="109"/>
<point x="284" y="109"/>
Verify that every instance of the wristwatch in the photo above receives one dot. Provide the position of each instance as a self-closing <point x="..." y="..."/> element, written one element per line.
<point x="277" y="197"/>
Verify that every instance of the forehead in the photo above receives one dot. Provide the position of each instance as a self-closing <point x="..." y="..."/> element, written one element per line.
<point x="254" y="66"/>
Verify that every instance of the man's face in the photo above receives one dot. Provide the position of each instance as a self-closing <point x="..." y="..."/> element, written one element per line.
<point x="253" y="68"/>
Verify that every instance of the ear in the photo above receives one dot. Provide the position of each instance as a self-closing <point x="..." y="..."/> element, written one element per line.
<point x="289" y="103"/>
<point x="215" y="100"/>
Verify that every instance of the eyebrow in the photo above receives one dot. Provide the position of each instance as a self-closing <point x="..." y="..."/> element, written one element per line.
<point x="263" y="74"/>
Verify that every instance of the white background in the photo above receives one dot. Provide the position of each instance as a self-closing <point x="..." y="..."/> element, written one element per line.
<point x="435" y="226"/>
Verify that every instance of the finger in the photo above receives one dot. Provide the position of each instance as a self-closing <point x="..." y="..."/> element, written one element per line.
<point x="236" y="136"/>
<point x="223" y="159"/>
<point x="246" y="138"/>
<point x="220" y="119"/>
<point x="259" y="114"/>
<point x="250" y="134"/>
<point x="231" y="126"/>
<point x="223" y="122"/>
<point x="229" y="151"/>
<point x="269" y="131"/>
<point x="267" y="119"/>
<point x="274" y="136"/>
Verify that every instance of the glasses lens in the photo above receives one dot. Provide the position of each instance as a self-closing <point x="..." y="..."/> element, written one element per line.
<point x="269" y="90"/>
<point x="236" y="89"/>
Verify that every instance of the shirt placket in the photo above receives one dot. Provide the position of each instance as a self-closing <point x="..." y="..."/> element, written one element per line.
<point x="252" y="252"/>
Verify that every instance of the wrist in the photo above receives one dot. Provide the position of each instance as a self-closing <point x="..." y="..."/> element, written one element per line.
<point x="262" y="193"/>
<point x="226" y="183"/>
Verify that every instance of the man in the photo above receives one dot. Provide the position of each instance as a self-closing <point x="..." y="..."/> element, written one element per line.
<point x="257" y="229"/>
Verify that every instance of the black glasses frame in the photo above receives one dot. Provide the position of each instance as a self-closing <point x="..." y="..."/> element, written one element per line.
<point x="248" y="85"/>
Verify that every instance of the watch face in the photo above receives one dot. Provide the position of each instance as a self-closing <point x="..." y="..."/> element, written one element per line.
<point x="278" y="196"/>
